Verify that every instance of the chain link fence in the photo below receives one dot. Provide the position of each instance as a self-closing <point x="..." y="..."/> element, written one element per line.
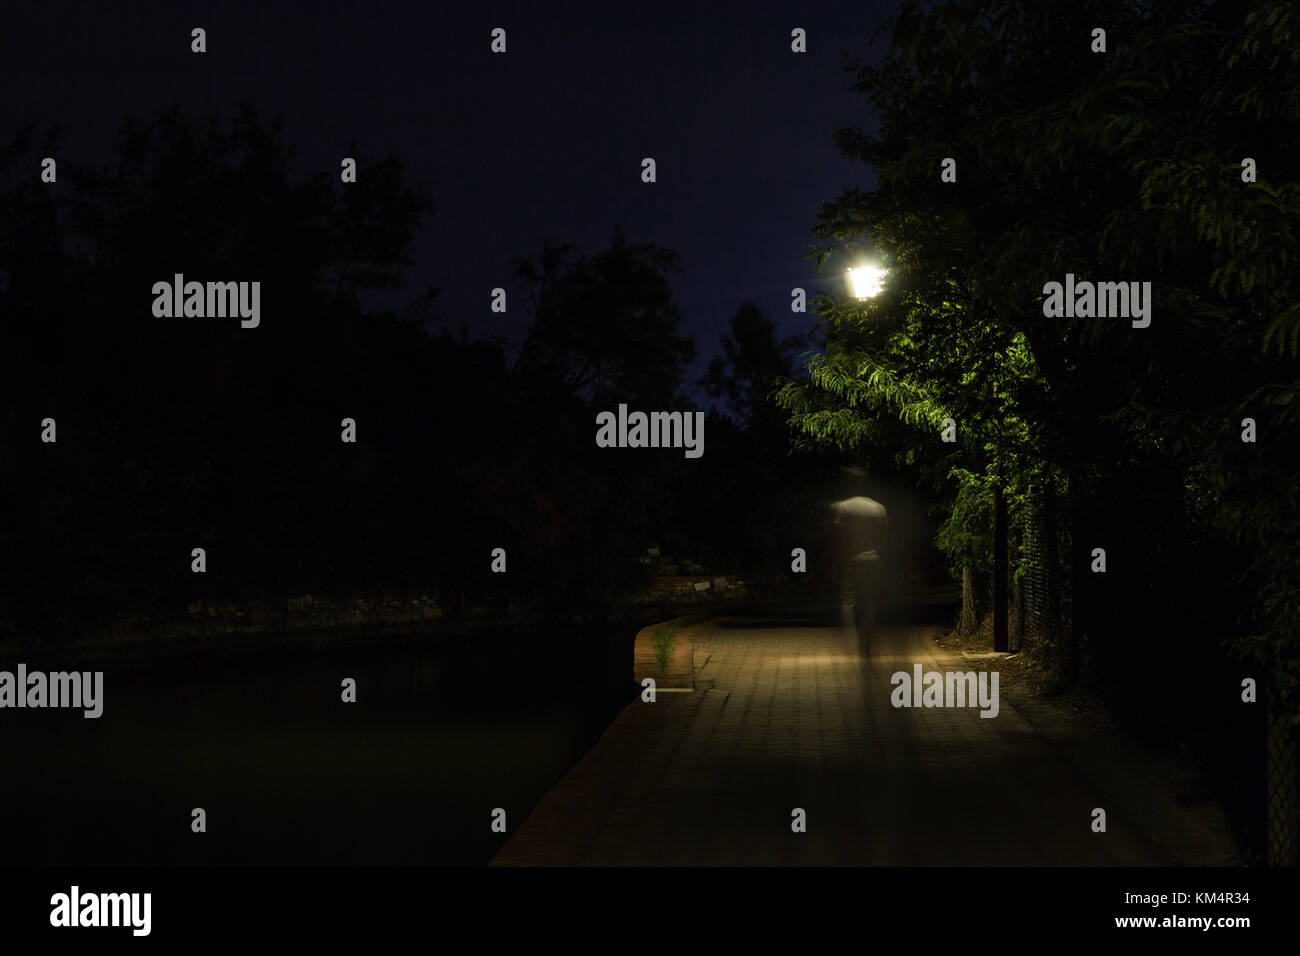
<point x="1282" y="787"/>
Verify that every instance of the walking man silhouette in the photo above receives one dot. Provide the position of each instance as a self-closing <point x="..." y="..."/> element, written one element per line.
<point x="861" y="524"/>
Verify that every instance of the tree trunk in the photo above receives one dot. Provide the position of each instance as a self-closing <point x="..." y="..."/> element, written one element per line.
<point x="969" y="620"/>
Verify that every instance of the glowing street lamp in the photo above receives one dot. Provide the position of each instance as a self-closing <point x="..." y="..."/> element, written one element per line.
<point x="867" y="281"/>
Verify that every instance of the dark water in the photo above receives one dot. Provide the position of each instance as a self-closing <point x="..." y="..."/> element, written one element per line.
<point x="443" y="732"/>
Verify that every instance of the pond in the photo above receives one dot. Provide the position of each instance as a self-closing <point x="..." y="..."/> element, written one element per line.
<point x="443" y="732"/>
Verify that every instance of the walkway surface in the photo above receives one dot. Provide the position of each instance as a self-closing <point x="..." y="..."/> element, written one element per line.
<point x="793" y="713"/>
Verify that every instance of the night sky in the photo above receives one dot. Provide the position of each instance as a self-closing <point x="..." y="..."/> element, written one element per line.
<point x="545" y="141"/>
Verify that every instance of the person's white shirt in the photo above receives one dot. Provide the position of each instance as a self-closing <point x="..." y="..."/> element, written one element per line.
<point x="862" y="522"/>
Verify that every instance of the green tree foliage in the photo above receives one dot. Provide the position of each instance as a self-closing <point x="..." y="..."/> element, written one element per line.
<point x="1123" y="166"/>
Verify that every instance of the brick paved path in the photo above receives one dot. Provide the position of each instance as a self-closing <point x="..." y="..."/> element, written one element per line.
<point x="794" y="714"/>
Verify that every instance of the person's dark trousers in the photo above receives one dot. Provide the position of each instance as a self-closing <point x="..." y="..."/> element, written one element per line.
<point x="858" y="598"/>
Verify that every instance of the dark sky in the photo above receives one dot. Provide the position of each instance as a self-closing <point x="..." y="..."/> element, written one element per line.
<point x="545" y="141"/>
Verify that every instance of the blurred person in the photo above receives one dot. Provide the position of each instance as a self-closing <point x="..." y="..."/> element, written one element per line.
<point x="861" y="525"/>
